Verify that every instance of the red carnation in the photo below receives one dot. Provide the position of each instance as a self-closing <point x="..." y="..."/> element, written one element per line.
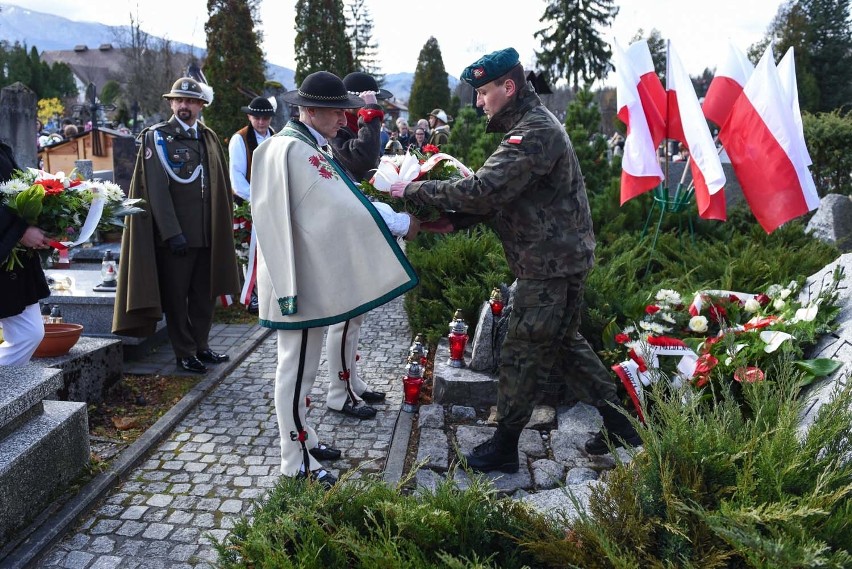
<point x="431" y="149"/>
<point x="762" y="299"/>
<point x="718" y="313"/>
<point x="622" y="338"/>
<point x="651" y="309"/>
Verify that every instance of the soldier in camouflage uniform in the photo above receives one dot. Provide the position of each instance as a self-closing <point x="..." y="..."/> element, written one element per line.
<point x="531" y="191"/>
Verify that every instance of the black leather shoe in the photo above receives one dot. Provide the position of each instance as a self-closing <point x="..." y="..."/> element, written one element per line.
<point x="359" y="412"/>
<point x="373" y="396"/>
<point x="321" y="476"/>
<point x="192" y="364"/>
<point x="323" y="452"/>
<point x="212" y="357"/>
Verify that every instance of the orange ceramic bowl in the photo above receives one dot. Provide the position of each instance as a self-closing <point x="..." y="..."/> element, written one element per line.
<point x="58" y="339"/>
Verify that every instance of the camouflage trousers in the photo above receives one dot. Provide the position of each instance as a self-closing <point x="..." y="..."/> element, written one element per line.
<point x="543" y="329"/>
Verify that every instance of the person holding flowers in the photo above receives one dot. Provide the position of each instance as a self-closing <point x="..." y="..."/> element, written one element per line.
<point x="24" y="284"/>
<point x="185" y="243"/>
<point x="532" y="192"/>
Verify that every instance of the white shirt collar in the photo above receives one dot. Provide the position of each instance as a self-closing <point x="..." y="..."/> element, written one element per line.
<point x="321" y="140"/>
<point x="186" y="126"/>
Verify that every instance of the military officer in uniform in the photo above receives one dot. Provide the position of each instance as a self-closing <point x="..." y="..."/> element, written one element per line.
<point x="532" y="192"/>
<point x="185" y="241"/>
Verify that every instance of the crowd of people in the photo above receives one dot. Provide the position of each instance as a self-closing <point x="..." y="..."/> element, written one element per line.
<point x="323" y="255"/>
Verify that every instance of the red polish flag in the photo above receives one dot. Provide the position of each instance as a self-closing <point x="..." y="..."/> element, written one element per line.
<point x="760" y="138"/>
<point x="640" y="168"/>
<point x="650" y="89"/>
<point x="731" y="76"/>
<point x="687" y="124"/>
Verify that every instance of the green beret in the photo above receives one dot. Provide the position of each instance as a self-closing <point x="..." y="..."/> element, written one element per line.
<point x="490" y="67"/>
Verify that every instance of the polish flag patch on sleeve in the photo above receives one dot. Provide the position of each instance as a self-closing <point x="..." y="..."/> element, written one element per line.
<point x="515" y="139"/>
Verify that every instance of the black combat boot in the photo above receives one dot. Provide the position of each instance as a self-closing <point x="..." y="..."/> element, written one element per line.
<point x="498" y="453"/>
<point x="616" y="428"/>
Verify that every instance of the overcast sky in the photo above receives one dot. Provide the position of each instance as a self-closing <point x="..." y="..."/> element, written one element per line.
<point x="698" y="30"/>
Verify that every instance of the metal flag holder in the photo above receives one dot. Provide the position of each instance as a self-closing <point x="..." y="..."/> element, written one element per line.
<point x="679" y="203"/>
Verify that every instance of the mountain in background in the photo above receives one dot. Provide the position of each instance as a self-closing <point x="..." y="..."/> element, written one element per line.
<point x="47" y="32"/>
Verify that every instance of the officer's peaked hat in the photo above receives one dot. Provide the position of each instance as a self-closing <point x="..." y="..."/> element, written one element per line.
<point x="323" y="89"/>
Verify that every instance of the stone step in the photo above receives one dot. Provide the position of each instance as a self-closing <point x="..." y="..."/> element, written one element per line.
<point x="40" y="456"/>
<point x="21" y="391"/>
<point x="460" y="385"/>
<point x="90" y="367"/>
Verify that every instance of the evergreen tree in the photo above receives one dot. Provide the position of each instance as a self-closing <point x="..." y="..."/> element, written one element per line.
<point x="234" y="61"/>
<point x="321" y="41"/>
<point x="820" y="31"/>
<point x="583" y="123"/>
<point x="364" y="47"/>
<point x="572" y="46"/>
<point x="46" y="81"/>
<point x="431" y="88"/>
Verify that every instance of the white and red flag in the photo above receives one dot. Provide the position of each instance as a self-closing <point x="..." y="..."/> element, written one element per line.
<point x="731" y="76"/>
<point x="650" y="89"/>
<point x="787" y="75"/>
<point x="687" y="124"/>
<point x="762" y="142"/>
<point x="640" y="168"/>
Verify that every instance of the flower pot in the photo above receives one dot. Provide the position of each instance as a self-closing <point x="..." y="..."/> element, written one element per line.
<point x="58" y="339"/>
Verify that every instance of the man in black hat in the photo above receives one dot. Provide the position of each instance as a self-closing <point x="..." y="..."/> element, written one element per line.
<point x="259" y="113"/>
<point x="315" y="230"/>
<point x="532" y="192"/>
<point x="357" y="147"/>
<point x="186" y="242"/>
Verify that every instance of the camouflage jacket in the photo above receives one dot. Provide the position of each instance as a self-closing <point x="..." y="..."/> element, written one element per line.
<point x="530" y="190"/>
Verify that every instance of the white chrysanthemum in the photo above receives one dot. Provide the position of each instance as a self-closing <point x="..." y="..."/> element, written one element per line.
<point x="658" y="328"/>
<point x="698" y="324"/>
<point x="671" y="297"/>
<point x="668" y="317"/>
<point x="14" y="187"/>
<point x="645" y="325"/>
<point x="113" y="192"/>
<point x="629" y="329"/>
<point x="751" y="305"/>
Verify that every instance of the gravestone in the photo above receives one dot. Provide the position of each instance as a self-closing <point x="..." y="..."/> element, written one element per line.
<point x="18" y="122"/>
<point x="832" y="222"/>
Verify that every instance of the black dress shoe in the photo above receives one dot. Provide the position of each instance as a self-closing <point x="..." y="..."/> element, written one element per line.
<point x="373" y="396"/>
<point x="323" y="452"/>
<point x="359" y="412"/>
<point x="192" y="364"/>
<point x="212" y="357"/>
<point x="321" y="476"/>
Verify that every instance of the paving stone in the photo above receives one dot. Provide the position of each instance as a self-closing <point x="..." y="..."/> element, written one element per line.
<point x="108" y="562"/>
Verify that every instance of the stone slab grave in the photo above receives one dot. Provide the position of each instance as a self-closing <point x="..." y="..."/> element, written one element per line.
<point x="90" y="368"/>
<point x="44" y="444"/>
<point x="81" y="304"/>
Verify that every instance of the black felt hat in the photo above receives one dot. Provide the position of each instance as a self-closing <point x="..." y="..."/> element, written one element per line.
<point x="323" y="89"/>
<point x="259" y="107"/>
<point x="358" y="82"/>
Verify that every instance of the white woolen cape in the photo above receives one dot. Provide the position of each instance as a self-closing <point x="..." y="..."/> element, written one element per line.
<point x="324" y="254"/>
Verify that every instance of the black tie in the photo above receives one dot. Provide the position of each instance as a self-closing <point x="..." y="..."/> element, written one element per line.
<point x="191" y="132"/>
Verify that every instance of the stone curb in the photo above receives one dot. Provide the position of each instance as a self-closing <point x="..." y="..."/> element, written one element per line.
<point x="395" y="462"/>
<point x="49" y="526"/>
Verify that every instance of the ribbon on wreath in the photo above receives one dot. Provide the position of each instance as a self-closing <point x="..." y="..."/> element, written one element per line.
<point x="638" y="372"/>
<point x="251" y="270"/>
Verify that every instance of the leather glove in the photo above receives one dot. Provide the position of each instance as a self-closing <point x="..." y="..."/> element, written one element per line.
<point x="177" y="245"/>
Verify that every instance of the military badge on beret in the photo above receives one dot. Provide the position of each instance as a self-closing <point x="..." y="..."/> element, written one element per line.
<point x="490" y="67"/>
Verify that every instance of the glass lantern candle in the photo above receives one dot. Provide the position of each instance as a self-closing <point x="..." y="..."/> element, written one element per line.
<point x="458" y="340"/>
<point x="496" y="303"/>
<point x="411" y="384"/>
<point x="109" y="271"/>
<point x="418" y="350"/>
